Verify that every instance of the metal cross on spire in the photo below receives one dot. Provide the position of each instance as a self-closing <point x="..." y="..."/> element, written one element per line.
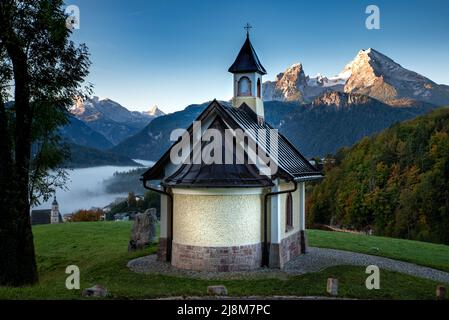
<point x="247" y="27"/>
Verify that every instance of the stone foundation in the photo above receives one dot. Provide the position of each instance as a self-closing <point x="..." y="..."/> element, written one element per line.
<point x="289" y="248"/>
<point x="162" y="250"/>
<point x="221" y="259"/>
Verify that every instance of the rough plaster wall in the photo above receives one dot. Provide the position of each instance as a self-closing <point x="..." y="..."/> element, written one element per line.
<point x="217" y="220"/>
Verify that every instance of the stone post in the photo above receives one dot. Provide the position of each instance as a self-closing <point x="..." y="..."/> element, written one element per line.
<point x="143" y="232"/>
<point x="332" y="286"/>
<point x="441" y="292"/>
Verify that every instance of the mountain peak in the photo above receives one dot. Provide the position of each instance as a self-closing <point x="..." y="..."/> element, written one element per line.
<point x="295" y="68"/>
<point x="287" y="85"/>
<point x="154" y="111"/>
<point x="373" y="56"/>
<point x="378" y="76"/>
<point x="297" y="65"/>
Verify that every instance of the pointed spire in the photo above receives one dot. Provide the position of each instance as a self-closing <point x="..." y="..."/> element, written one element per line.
<point x="247" y="60"/>
<point x="54" y="201"/>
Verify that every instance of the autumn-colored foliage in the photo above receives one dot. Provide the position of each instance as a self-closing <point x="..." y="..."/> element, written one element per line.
<point x="396" y="182"/>
<point x="87" y="215"/>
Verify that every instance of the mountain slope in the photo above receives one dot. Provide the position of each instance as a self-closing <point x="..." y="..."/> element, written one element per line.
<point x="111" y="119"/>
<point x="79" y="133"/>
<point x="395" y="182"/>
<point x="154" y="140"/>
<point x="338" y="119"/>
<point x="84" y="157"/>
<point x="330" y="122"/>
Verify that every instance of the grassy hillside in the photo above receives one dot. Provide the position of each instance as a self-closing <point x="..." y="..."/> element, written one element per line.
<point x="100" y="251"/>
<point x="422" y="253"/>
<point x="396" y="182"/>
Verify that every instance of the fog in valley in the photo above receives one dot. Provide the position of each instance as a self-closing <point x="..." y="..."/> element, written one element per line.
<point x="86" y="188"/>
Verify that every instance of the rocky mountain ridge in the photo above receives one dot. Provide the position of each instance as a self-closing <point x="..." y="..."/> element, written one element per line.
<point x="371" y="73"/>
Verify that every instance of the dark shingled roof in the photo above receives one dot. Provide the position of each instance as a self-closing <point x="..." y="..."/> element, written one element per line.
<point x="247" y="60"/>
<point x="290" y="159"/>
<point x="218" y="175"/>
<point x="42" y="217"/>
<point x="292" y="165"/>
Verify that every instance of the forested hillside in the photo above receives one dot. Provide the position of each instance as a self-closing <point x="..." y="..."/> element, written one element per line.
<point x="396" y="182"/>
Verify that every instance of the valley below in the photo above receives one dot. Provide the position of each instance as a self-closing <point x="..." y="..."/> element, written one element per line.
<point x="88" y="188"/>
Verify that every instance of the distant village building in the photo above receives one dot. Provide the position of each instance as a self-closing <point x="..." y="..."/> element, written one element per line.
<point x="107" y="208"/>
<point x="68" y="217"/>
<point x="122" y="216"/>
<point x="48" y="216"/>
<point x="231" y="217"/>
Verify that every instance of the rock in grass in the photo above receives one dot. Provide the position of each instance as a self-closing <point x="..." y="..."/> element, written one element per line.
<point x="441" y="292"/>
<point x="143" y="232"/>
<point x="332" y="287"/>
<point x="95" y="291"/>
<point x="217" y="291"/>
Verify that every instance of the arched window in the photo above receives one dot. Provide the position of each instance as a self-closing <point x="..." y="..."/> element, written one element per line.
<point x="244" y="86"/>
<point x="289" y="212"/>
<point x="259" y="89"/>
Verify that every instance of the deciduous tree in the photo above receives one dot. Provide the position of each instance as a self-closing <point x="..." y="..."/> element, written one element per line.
<point x="41" y="71"/>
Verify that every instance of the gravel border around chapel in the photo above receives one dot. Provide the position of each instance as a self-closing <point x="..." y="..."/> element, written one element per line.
<point x="315" y="260"/>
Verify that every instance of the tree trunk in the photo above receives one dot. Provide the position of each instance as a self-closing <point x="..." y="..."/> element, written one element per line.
<point x="17" y="261"/>
<point x="17" y="257"/>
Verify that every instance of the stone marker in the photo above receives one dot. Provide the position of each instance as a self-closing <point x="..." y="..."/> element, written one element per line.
<point x="332" y="286"/>
<point x="152" y="212"/>
<point x="143" y="231"/>
<point x="441" y="292"/>
<point x="95" y="291"/>
<point x="217" y="291"/>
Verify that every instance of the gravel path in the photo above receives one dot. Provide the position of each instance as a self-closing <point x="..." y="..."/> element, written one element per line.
<point x="318" y="259"/>
<point x="315" y="260"/>
<point x="149" y="264"/>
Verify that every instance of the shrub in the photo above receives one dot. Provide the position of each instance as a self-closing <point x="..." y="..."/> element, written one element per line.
<point x="87" y="215"/>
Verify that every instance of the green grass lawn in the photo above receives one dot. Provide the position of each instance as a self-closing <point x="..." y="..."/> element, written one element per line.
<point x="100" y="251"/>
<point x="422" y="253"/>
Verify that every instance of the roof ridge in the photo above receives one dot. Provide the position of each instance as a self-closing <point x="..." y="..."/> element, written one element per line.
<point x="289" y="160"/>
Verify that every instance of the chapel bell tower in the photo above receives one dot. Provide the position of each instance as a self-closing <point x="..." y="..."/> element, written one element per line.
<point x="248" y="72"/>
<point x="54" y="216"/>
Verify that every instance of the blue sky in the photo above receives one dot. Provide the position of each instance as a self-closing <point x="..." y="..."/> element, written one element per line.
<point x="175" y="53"/>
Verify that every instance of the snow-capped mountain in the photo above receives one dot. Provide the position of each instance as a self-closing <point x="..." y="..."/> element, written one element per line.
<point x="154" y="111"/>
<point x="95" y="108"/>
<point x="294" y="85"/>
<point x="371" y="73"/>
<point x="378" y="76"/>
<point x="111" y="119"/>
<point x="322" y="81"/>
<point x="288" y="86"/>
